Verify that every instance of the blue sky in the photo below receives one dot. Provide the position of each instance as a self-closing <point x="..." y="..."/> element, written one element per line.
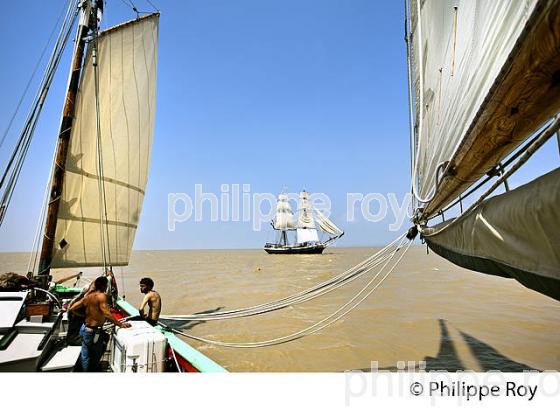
<point x="293" y="93"/>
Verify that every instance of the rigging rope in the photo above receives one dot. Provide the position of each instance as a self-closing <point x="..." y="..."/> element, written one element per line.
<point x="290" y="301"/>
<point x="19" y="153"/>
<point x="504" y="165"/>
<point x="306" y="295"/>
<point x="32" y="264"/>
<point x="104" y="230"/>
<point x="28" y="85"/>
<point x="133" y="7"/>
<point x="417" y="131"/>
<point x="410" y="95"/>
<point x="302" y="297"/>
<point x="536" y="143"/>
<point x="153" y="5"/>
<point x="432" y="193"/>
<point x="327" y="321"/>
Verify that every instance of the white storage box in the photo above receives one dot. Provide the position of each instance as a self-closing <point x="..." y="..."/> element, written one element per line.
<point x="139" y="348"/>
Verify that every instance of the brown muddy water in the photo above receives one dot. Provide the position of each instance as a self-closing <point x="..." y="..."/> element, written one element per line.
<point x="427" y="310"/>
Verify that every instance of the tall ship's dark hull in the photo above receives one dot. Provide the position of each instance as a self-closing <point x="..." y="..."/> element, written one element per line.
<point x="294" y="249"/>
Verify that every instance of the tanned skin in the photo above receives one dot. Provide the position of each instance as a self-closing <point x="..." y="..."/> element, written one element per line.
<point x="152" y="300"/>
<point x="97" y="309"/>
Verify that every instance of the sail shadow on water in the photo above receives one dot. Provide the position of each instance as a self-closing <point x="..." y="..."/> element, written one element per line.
<point x="447" y="358"/>
<point x="490" y="359"/>
<point x="182" y="325"/>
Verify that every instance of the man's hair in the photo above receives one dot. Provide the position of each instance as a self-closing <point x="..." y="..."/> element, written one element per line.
<point x="101" y="283"/>
<point x="148" y="282"/>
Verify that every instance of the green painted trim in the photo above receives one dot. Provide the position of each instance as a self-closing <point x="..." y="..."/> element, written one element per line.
<point x="127" y="307"/>
<point x="64" y="289"/>
<point x="182" y="348"/>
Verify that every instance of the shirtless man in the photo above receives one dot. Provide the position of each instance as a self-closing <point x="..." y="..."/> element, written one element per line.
<point x="96" y="312"/>
<point x="152" y="299"/>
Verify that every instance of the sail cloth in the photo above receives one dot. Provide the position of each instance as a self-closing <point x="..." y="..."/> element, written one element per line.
<point x="307" y="235"/>
<point x="284" y="215"/>
<point x="127" y="63"/>
<point x="459" y="49"/>
<point x="305" y="216"/>
<point x="515" y="234"/>
<point x="327" y="225"/>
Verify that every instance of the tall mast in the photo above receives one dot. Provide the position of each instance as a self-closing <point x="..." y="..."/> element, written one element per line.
<point x="91" y="11"/>
<point x="285" y="237"/>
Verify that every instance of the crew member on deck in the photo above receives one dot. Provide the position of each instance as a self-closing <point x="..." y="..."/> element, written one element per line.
<point x="152" y="300"/>
<point x="97" y="311"/>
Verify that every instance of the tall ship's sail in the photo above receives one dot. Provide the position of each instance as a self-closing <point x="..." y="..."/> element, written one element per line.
<point x="284" y="215"/>
<point x="484" y="92"/>
<point x="327" y="225"/>
<point x="306" y="233"/>
<point x="306" y="230"/>
<point x="106" y="169"/>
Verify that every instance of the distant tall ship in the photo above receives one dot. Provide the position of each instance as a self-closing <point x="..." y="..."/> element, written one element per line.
<point x="307" y="237"/>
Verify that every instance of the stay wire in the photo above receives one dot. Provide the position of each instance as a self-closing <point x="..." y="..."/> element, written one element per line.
<point x="294" y="301"/>
<point x="105" y="242"/>
<point x="42" y="89"/>
<point x="327" y="321"/>
<point x="133" y="7"/>
<point x="537" y="143"/>
<point x="300" y="297"/>
<point x="153" y="5"/>
<point x="19" y="153"/>
<point x="322" y="284"/>
<point x="28" y="85"/>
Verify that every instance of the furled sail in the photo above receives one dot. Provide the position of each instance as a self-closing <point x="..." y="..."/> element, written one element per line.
<point x="327" y="225"/>
<point x="481" y="87"/>
<point x="284" y="216"/>
<point x="305" y="216"/>
<point x="107" y="169"/>
<point x="514" y="234"/>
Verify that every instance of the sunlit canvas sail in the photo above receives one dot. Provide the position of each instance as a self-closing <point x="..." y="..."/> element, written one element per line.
<point x="307" y="235"/>
<point x="484" y="79"/>
<point x="305" y="216"/>
<point x="284" y="216"/>
<point x="327" y="225"/>
<point x="91" y="227"/>
<point x="514" y="234"/>
<point x="306" y="239"/>
<point x="306" y="231"/>
<point x="474" y="100"/>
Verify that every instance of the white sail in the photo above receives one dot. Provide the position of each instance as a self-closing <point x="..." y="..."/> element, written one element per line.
<point x="306" y="231"/>
<point x="514" y="234"/>
<point x="481" y="78"/>
<point x="284" y="216"/>
<point x="458" y="50"/>
<point x="305" y="215"/>
<point x="307" y="235"/>
<point x="327" y="225"/>
<point x="92" y="228"/>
